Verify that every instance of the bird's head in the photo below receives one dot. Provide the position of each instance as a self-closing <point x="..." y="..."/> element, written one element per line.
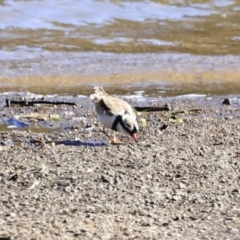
<point x="130" y="126"/>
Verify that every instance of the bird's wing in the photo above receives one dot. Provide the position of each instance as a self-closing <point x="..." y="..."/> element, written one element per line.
<point x="116" y="106"/>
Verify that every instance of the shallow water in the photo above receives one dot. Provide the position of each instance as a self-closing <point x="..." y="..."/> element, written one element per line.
<point x="164" y="47"/>
<point x="38" y="129"/>
<point x="202" y="27"/>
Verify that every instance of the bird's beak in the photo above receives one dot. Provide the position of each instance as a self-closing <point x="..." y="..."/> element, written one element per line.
<point x="134" y="136"/>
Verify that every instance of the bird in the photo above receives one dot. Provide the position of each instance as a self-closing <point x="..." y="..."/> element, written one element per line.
<point x="116" y="114"/>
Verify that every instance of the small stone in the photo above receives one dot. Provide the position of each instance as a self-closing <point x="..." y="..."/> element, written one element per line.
<point x="182" y="185"/>
<point x="4" y="236"/>
<point x="226" y="101"/>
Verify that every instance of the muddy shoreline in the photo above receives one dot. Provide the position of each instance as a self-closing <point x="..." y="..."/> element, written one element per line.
<point x="156" y="75"/>
<point x="183" y="184"/>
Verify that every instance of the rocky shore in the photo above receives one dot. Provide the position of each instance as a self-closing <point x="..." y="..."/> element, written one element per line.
<point x="70" y="183"/>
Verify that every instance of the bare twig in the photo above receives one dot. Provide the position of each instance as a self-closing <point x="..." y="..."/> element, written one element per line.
<point x="152" y="109"/>
<point x="31" y="103"/>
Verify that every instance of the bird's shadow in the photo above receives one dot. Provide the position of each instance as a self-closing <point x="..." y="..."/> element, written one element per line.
<point x="83" y="143"/>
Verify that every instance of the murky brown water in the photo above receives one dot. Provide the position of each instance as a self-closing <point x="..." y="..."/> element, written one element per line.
<point x="161" y="47"/>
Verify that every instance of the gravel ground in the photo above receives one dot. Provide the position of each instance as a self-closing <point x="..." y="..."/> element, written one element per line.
<point x="182" y="184"/>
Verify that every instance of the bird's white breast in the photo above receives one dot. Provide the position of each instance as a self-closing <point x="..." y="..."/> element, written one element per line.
<point x="107" y="120"/>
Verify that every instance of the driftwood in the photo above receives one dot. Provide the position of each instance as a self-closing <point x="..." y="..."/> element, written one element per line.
<point x="31" y="103"/>
<point x="165" y="108"/>
<point x="152" y="109"/>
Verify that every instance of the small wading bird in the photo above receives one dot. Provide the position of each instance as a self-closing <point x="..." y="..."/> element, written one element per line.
<point x="114" y="113"/>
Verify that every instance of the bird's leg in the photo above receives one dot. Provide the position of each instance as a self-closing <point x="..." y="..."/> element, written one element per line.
<point x="113" y="139"/>
<point x="104" y="131"/>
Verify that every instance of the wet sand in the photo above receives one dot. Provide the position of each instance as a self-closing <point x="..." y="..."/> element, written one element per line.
<point x="183" y="184"/>
<point x="157" y="75"/>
